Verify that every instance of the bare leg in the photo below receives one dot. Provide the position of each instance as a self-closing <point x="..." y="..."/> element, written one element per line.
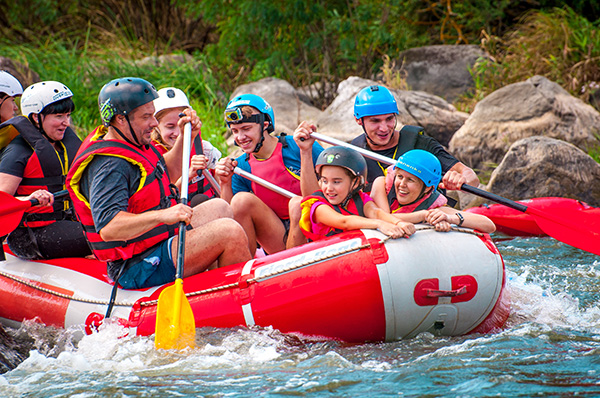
<point x="259" y="221"/>
<point x="211" y="210"/>
<point x="222" y="241"/>
<point x="295" y="235"/>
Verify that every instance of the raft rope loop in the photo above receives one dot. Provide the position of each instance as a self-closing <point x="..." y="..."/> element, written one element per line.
<point x="229" y="285"/>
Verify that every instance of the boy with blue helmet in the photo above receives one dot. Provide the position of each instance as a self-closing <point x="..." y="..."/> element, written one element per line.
<point x="408" y="191"/>
<point x="282" y="160"/>
<point x="376" y="110"/>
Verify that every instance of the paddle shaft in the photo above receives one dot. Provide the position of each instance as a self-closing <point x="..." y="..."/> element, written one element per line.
<point x="185" y="171"/>
<point x="57" y="195"/>
<point x="264" y="183"/>
<point x="209" y="177"/>
<point x="568" y="228"/>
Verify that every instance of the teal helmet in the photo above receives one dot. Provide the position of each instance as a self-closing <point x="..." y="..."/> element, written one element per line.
<point x="343" y="157"/>
<point x="233" y="114"/>
<point x="123" y="95"/>
<point x="421" y="164"/>
<point x="374" y="100"/>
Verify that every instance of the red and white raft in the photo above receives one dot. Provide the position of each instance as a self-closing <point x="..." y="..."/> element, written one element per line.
<point x="352" y="287"/>
<point x="515" y="223"/>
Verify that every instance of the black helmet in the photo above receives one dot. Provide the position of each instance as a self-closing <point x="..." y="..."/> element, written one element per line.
<point x="343" y="157"/>
<point x="121" y="96"/>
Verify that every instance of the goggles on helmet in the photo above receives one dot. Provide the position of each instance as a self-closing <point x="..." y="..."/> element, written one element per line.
<point x="235" y="116"/>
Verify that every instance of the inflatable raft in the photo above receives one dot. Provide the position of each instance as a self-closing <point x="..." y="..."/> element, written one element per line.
<point x="515" y="223"/>
<point x="356" y="287"/>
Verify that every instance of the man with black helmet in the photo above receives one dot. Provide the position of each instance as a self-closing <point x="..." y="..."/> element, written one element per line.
<point x="121" y="189"/>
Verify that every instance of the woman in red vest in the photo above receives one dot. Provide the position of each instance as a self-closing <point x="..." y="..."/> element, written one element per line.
<point x="34" y="166"/>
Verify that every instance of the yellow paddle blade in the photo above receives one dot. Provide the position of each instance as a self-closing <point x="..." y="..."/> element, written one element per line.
<point x="175" y="325"/>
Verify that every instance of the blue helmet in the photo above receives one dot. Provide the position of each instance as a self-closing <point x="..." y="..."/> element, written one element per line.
<point x="374" y="100"/>
<point x="421" y="164"/>
<point x="234" y="115"/>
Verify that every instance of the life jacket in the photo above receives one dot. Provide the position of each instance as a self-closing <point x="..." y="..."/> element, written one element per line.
<point x="409" y="136"/>
<point x="431" y="201"/>
<point x="198" y="184"/>
<point x="46" y="169"/>
<point x="355" y="207"/>
<point x="274" y="171"/>
<point x="153" y="193"/>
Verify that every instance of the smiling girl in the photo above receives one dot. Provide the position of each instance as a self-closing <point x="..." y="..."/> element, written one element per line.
<point x="409" y="193"/>
<point x="340" y="205"/>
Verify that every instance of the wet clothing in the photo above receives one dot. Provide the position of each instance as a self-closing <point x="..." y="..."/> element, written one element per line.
<point x="411" y="137"/>
<point x="110" y="176"/>
<point x="314" y="230"/>
<point x="40" y="165"/>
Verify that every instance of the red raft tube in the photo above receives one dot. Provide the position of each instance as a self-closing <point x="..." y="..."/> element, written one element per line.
<point x="356" y="287"/>
<point x="515" y="223"/>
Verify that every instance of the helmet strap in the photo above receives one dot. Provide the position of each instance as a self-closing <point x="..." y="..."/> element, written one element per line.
<point x="40" y="126"/>
<point x="137" y="142"/>
<point x="130" y="142"/>
<point x="352" y="192"/>
<point x="423" y="193"/>
<point x="362" y="119"/>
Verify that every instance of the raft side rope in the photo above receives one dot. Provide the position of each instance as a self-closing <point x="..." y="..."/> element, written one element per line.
<point x="238" y="284"/>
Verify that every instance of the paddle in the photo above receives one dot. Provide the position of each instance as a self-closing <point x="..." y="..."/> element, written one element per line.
<point x="175" y="324"/>
<point x="568" y="227"/>
<point x="12" y="209"/>
<point x="209" y="177"/>
<point x="264" y="183"/>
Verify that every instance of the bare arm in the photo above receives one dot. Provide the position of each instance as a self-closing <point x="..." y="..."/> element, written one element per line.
<point x="379" y="195"/>
<point x="125" y="226"/>
<point x="308" y="177"/>
<point x="9" y="184"/>
<point x="449" y="215"/>
<point x="224" y="173"/>
<point x="458" y="175"/>
<point x="173" y="157"/>
<point x="326" y="215"/>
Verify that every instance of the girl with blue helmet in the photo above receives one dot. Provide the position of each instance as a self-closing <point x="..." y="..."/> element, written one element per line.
<point x="341" y="205"/>
<point x="409" y="192"/>
<point x="376" y="111"/>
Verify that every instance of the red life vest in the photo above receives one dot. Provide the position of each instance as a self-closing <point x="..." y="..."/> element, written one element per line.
<point x="355" y="207"/>
<point x="46" y="169"/>
<point x="198" y="184"/>
<point x="274" y="171"/>
<point x="152" y="194"/>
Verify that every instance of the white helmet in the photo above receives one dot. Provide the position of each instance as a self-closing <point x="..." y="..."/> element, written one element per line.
<point x="9" y="84"/>
<point x="170" y="97"/>
<point x="39" y="95"/>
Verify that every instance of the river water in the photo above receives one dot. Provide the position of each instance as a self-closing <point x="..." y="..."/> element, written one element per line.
<point x="549" y="347"/>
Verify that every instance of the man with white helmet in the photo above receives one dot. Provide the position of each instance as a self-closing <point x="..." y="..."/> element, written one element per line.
<point x="168" y="106"/>
<point x="120" y="185"/>
<point x="376" y="110"/>
<point x="34" y="166"/>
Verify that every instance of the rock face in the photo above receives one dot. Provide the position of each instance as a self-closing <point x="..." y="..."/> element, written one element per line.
<point x="23" y="74"/>
<point x="542" y="166"/>
<point x="535" y="107"/>
<point x="289" y="105"/>
<point x="442" y="70"/>
<point x="439" y="118"/>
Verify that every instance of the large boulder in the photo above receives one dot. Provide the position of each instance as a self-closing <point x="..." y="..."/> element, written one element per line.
<point x="21" y="72"/>
<point x="534" y="107"/>
<point x="442" y="70"/>
<point x="439" y="119"/>
<point x="289" y="105"/>
<point x="541" y="166"/>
